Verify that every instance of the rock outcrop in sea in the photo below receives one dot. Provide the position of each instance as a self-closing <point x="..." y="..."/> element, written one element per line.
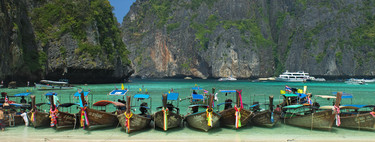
<point x="242" y="38"/>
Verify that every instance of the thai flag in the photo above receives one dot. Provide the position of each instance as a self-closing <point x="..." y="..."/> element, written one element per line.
<point x="205" y="91"/>
<point x="309" y="100"/>
<point x="287" y="88"/>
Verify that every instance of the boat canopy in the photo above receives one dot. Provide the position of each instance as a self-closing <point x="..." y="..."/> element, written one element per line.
<point x="227" y="91"/>
<point x="254" y="105"/>
<point x="293" y="106"/>
<point x="300" y="95"/>
<point x="172" y="96"/>
<point x="357" y="106"/>
<point x="22" y="94"/>
<point x="106" y="102"/>
<point x="290" y="95"/>
<point x="67" y="104"/>
<point x="326" y="96"/>
<point x="344" y="107"/>
<point x="77" y="94"/>
<point x="15" y="104"/>
<point x="197" y="88"/>
<point x="53" y="82"/>
<point x="142" y="96"/>
<point x="197" y="97"/>
<point x="50" y="94"/>
<point x="118" y="92"/>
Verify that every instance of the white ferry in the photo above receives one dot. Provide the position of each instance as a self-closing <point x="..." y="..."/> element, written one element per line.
<point x="299" y="76"/>
<point x="53" y="85"/>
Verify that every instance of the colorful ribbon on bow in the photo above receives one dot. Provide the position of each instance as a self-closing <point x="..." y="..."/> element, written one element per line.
<point x="165" y="114"/>
<point x="33" y="114"/>
<point x="272" y="117"/>
<point x="337" y="111"/>
<point x="209" y="116"/>
<point x="84" y="118"/>
<point x="238" y="117"/>
<point x="127" y="121"/>
<point x="53" y="116"/>
<point x="373" y="114"/>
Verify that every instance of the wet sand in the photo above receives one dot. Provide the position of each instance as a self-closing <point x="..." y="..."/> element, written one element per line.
<point x="21" y="133"/>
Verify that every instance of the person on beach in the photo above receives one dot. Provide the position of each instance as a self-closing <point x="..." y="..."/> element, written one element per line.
<point x="278" y="109"/>
<point x="23" y="100"/>
<point x="55" y="99"/>
<point x="24" y="116"/>
<point x="2" y="125"/>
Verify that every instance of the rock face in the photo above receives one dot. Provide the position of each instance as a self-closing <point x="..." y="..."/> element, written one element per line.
<point x="61" y="39"/>
<point x="18" y="48"/>
<point x="242" y="38"/>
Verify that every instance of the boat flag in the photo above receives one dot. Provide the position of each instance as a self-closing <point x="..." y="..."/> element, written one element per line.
<point x="122" y="87"/>
<point x="282" y="92"/>
<point x="287" y="88"/>
<point x="205" y="91"/>
<point x="299" y="91"/>
<point x="140" y="90"/>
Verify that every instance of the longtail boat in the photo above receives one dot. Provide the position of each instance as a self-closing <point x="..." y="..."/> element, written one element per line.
<point x="356" y="118"/>
<point x="12" y="119"/>
<point x="133" y="122"/>
<point x="37" y="118"/>
<point x="60" y="119"/>
<point x="360" y="117"/>
<point x="203" y="120"/>
<point x="169" y="116"/>
<point x="267" y="118"/>
<point x="309" y="116"/>
<point x="235" y="117"/>
<point x="92" y="118"/>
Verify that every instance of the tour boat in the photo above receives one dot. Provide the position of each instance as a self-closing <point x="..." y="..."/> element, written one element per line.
<point x="52" y="85"/>
<point x="299" y="76"/>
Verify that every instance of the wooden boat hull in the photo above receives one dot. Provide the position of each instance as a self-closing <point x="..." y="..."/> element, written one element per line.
<point x="99" y="118"/>
<point x="361" y="121"/>
<point x="199" y="120"/>
<point x="263" y="118"/>
<point x="174" y="120"/>
<point x="66" y="120"/>
<point x="137" y="122"/>
<point x="317" y="120"/>
<point x="228" y="117"/>
<point x="41" y="119"/>
<point x="18" y="120"/>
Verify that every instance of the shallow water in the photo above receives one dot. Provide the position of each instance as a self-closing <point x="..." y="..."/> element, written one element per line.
<point x="363" y="94"/>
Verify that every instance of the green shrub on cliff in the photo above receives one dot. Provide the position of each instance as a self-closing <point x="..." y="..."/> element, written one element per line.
<point x="59" y="17"/>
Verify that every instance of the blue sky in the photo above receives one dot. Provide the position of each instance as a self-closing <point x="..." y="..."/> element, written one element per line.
<point x="121" y="8"/>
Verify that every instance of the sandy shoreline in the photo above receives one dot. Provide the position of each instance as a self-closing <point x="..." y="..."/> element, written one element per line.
<point x="48" y="134"/>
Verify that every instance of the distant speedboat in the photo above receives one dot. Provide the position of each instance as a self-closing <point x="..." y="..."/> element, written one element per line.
<point x="319" y="79"/>
<point x="355" y="81"/>
<point x="227" y="79"/>
<point x="299" y="76"/>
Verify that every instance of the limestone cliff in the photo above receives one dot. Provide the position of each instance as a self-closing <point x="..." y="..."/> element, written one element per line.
<point x="219" y="38"/>
<point x="77" y="40"/>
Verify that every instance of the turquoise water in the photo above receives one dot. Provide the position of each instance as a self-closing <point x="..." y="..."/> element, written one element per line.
<point x="363" y="94"/>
